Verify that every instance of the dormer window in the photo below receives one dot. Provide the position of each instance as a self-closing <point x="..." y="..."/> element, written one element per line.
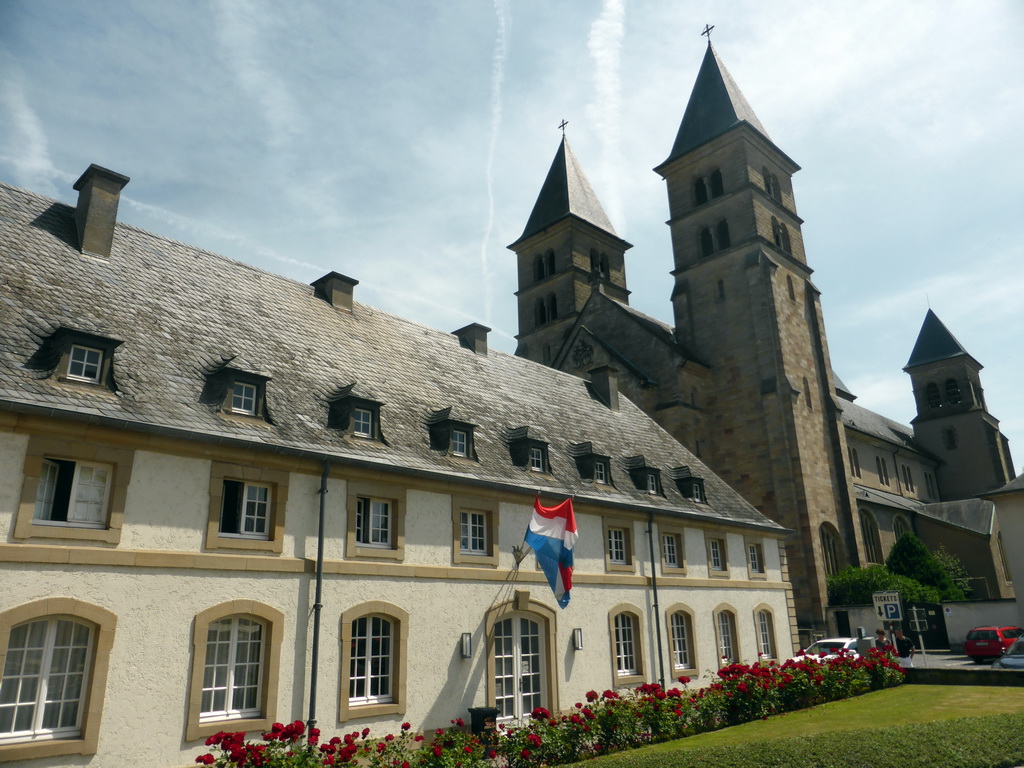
<point x="652" y="483"/>
<point x="450" y="435"/>
<point x="645" y="478"/>
<point x="353" y="415"/>
<point x="85" y="363"/>
<point x="591" y="465"/>
<point x="690" y="486"/>
<point x="243" y="398"/>
<point x="601" y="471"/>
<point x="76" y="357"/>
<point x="528" y="451"/>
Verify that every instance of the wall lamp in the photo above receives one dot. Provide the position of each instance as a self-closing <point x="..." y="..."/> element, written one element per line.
<point x="467" y="645"/>
<point x="577" y="639"/>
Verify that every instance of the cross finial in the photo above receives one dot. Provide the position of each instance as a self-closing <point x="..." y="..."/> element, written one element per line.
<point x="562" y="126"/>
<point x="707" y="32"/>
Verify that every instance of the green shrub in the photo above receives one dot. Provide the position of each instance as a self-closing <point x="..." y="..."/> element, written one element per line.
<point x="854" y="586"/>
<point x="910" y="557"/>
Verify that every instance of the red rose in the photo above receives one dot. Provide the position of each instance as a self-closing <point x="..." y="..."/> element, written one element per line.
<point x="205" y="759"/>
<point x="437" y="751"/>
<point x="524" y="754"/>
<point x="406" y="726"/>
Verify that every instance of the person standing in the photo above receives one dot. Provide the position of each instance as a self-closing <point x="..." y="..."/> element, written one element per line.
<point x="880" y="641"/>
<point x="905" y="649"/>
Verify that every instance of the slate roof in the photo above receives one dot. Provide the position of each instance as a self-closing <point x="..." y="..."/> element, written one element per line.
<point x="934" y="343"/>
<point x="1014" y="486"/>
<point x="565" y="192"/>
<point x="975" y="515"/>
<point x="716" y="105"/>
<point x="177" y="310"/>
<point x="875" y="424"/>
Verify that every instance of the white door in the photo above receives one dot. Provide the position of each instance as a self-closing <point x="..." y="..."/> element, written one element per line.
<point x="518" y="667"/>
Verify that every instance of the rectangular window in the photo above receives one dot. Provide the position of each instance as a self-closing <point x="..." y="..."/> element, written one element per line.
<point x="362" y="422"/>
<point x="460" y="442"/>
<point x="243" y="398"/>
<point x="73" y="492"/>
<point x="600" y="472"/>
<point x="617" y="546"/>
<point x="652" y="483"/>
<point x="698" y="492"/>
<point x="755" y="557"/>
<point x="670" y="546"/>
<point x="537" y="462"/>
<point x="245" y="510"/>
<point x="373" y="523"/>
<point x="474" y="533"/>
<point x="716" y="554"/>
<point x="370" y="667"/>
<point x="85" y="364"/>
<point x="625" y="647"/>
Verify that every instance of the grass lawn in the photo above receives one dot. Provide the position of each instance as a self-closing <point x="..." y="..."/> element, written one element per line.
<point x="901" y="726"/>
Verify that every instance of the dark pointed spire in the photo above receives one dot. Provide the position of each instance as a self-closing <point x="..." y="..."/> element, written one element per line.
<point x="716" y="105"/>
<point x="566" y="192"/>
<point x="934" y="343"/>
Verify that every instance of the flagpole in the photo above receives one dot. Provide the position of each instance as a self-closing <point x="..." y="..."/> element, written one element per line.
<point x="657" y="609"/>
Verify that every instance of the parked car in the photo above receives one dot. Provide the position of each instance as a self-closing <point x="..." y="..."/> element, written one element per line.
<point x="1013" y="658"/>
<point x="990" y="642"/>
<point x="828" y="648"/>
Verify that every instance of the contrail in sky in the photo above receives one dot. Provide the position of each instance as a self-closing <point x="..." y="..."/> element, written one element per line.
<point x="497" y="80"/>
<point x="605" y="111"/>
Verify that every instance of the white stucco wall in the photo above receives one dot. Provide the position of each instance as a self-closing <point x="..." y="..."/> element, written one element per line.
<point x="12" y="460"/>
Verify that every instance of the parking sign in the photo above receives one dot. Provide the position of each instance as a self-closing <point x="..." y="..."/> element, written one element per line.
<point x="888" y="606"/>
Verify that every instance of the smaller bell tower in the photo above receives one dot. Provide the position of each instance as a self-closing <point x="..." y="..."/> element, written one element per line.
<point x="568" y="250"/>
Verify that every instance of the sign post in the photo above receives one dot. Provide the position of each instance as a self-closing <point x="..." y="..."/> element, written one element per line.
<point x="888" y="610"/>
<point x="919" y="623"/>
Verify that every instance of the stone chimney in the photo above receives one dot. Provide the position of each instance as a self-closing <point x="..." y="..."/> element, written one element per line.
<point x="474" y="337"/>
<point x="99" y="191"/>
<point x="605" y="382"/>
<point x="336" y="290"/>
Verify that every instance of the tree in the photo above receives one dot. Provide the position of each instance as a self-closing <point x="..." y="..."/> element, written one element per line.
<point x="910" y="557"/>
<point x="854" y="586"/>
<point x="954" y="569"/>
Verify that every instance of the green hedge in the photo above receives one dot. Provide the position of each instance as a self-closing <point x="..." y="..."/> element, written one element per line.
<point x="993" y="741"/>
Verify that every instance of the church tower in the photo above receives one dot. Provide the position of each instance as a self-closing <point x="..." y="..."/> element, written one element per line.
<point x="744" y="302"/>
<point x="568" y="250"/>
<point x="952" y="420"/>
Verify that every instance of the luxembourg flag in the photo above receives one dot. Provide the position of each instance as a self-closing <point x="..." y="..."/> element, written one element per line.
<point x="552" y="535"/>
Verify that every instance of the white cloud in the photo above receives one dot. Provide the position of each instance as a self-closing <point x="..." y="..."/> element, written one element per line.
<point x="25" y="136"/>
<point x="604" y="112"/>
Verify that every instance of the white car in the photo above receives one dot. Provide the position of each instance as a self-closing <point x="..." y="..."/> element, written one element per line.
<point x="830" y="647"/>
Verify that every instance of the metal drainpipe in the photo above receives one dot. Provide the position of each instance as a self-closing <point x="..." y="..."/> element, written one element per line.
<point x="317" y="604"/>
<point x="657" y="609"/>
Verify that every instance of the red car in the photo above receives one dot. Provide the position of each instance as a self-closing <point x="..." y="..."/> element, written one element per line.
<point x="990" y="642"/>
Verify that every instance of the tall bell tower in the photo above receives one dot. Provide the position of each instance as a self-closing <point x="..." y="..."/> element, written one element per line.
<point x="744" y="301"/>
<point x="567" y="250"/>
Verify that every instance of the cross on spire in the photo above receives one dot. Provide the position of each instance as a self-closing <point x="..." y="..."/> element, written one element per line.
<point x="562" y="126"/>
<point x="707" y="32"/>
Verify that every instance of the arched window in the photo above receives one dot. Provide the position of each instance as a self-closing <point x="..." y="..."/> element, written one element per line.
<point x="235" y="666"/>
<point x="717" y="187"/>
<point x="594" y="262"/>
<point x="627" y="645"/>
<point x="765" y="632"/>
<point x="785" y="238"/>
<point x="882" y="469"/>
<point x="522" y="667"/>
<point x="769" y="182"/>
<point x="700" y="192"/>
<point x="953" y="392"/>
<point x="792" y="290"/>
<point x="776" y="232"/>
<point x="373" y="652"/>
<point x="899" y="526"/>
<point x="931" y="394"/>
<point x="540" y="312"/>
<point x="728" y="642"/>
<point x="550" y="259"/>
<point x="707" y="242"/>
<point x="807" y="395"/>
<point x="869" y="532"/>
<point x="552" y="307"/>
<point x="723" y="235"/>
<point x="949" y="438"/>
<point x="605" y="272"/>
<point x="681" y="634"/>
<point x="854" y="462"/>
<point x="538" y="267"/>
<point x="829" y="548"/>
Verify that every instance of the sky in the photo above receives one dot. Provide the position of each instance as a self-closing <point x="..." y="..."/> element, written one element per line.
<point x="403" y="143"/>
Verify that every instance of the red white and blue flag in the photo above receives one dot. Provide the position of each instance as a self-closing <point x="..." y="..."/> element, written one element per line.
<point x="552" y="536"/>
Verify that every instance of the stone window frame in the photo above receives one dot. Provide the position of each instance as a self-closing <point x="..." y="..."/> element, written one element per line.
<point x="680" y="537"/>
<point x="731" y="614"/>
<point x="773" y="650"/>
<point x="762" y="573"/>
<point x="489" y="508"/>
<point x="273" y="620"/>
<point x="687" y="611"/>
<point x="399" y="662"/>
<point x="637" y="620"/>
<point x="723" y="552"/>
<point x="521" y="604"/>
<point x="276" y="479"/>
<point x="40" y="448"/>
<point x="393" y="494"/>
<point x="103" y="624"/>
<point x="626" y="526"/>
